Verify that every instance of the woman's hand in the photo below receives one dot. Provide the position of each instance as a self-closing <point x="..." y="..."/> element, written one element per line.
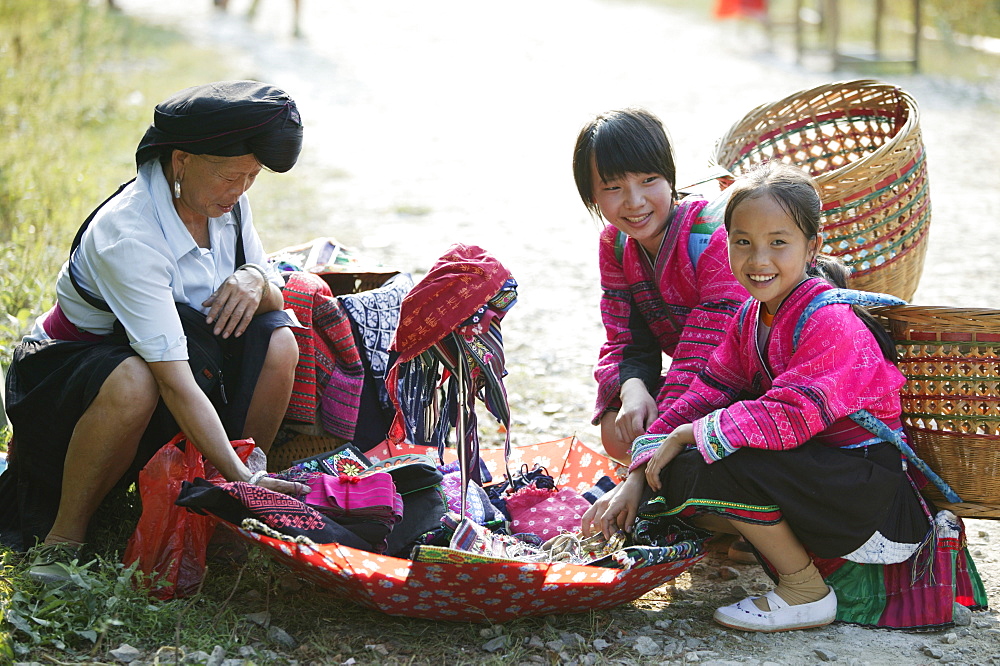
<point x="638" y="410"/>
<point x="615" y="510"/>
<point x="236" y="301"/>
<point x="292" y="488"/>
<point x="675" y="442"/>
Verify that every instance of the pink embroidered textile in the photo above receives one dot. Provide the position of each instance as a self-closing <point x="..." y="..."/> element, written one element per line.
<point x="372" y="496"/>
<point x="329" y="374"/>
<point x="836" y="370"/>
<point x="685" y="307"/>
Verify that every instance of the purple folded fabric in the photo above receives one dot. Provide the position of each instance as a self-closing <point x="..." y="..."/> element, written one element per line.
<point x="373" y="496"/>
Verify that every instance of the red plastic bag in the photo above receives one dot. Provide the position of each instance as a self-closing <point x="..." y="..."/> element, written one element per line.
<point x="169" y="541"/>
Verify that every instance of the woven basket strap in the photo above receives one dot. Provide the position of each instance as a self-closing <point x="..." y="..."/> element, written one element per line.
<point x="877" y="427"/>
<point x="865" y="299"/>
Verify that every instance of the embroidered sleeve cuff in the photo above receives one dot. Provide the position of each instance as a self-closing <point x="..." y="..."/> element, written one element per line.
<point x="711" y="442"/>
<point x="643" y="448"/>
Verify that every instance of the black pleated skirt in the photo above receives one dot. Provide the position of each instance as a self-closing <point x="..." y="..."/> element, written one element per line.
<point x="833" y="499"/>
<point x="50" y="385"/>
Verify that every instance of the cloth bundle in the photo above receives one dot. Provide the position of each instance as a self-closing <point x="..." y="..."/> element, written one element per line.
<point x="370" y="497"/>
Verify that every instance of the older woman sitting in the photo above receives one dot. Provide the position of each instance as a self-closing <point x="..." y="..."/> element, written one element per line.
<point x="104" y="380"/>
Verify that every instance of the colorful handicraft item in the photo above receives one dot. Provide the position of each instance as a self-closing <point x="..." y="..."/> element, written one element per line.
<point x="451" y="350"/>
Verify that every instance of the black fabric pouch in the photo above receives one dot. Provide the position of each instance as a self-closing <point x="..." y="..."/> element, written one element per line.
<point x="207" y="352"/>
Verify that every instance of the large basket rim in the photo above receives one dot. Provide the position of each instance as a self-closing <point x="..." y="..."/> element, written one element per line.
<point x="940" y="317"/>
<point x="910" y="125"/>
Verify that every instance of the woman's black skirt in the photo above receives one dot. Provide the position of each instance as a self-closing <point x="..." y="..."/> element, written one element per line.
<point x="833" y="499"/>
<point x="50" y="385"/>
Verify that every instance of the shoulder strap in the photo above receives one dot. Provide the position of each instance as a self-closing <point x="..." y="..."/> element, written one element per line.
<point x="620" y="238"/>
<point x="844" y="296"/>
<point x="877" y="427"/>
<point x="90" y="298"/>
<point x="101" y="305"/>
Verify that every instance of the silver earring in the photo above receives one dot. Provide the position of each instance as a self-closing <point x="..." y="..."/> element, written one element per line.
<point x="177" y="188"/>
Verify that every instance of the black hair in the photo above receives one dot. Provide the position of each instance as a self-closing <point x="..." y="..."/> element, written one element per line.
<point x="630" y="140"/>
<point x="794" y="190"/>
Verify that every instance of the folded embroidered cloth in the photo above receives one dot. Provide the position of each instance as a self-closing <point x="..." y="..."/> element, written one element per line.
<point x="372" y="497"/>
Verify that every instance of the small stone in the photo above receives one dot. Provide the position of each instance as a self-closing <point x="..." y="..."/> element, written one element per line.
<point x="600" y="644"/>
<point x="378" y="648"/>
<point x="728" y="573"/>
<point x="496" y="644"/>
<point x="246" y="651"/>
<point x="555" y="646"/>
<point x="574" y="640"/>
<point x="125" y="653"/>
<point x="739" y="592"/>
<point x="950" y="638"/>
<point x="961" y="615"/>
<point x="663" y="624"/>
<point x="217" y="657"/>
<point x="535" y="643"/>
<point x="647" y="647"/>
<point x="933" y="652"/>
<point x="691" y="657"/>
<point x="261" y="619"/>
<point x="825" y="654"/>
<point x="279" y="636"/>
<point x="197" y="657"/>
<point x="589" y="659"/>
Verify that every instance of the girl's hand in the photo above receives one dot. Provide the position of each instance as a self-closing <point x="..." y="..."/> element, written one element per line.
<point x="235" y="302"/>
<point x="637" y="412"/>
<point x="615" y="510"/>
<point x="675" y="442"/>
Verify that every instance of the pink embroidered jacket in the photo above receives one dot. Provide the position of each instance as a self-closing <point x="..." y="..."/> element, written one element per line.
<point x="678" y="306"/>
<point x="807" y="393"/>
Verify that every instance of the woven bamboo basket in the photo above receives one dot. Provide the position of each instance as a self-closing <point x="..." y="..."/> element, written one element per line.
<point x="951" y="400"/>
<point x="861" y="142"/>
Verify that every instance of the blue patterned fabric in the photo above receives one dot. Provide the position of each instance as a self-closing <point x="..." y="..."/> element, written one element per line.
<point x="375" y="314"/>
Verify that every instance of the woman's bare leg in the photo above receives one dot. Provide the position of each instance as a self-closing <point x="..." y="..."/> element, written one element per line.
<point x="103" y="446"/>
<point x="273" y="390"/>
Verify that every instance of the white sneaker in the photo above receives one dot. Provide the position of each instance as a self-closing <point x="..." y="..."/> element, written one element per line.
<point x="782" y="617"/>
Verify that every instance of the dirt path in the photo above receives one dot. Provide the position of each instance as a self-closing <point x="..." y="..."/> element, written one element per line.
<point x="444" y="120"/>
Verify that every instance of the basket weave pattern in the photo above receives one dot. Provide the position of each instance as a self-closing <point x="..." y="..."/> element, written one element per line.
<point x="951" y="400"/>
<point x="860" y="141"/>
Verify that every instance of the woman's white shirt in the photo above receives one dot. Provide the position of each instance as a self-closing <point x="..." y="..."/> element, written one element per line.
<point x="139" y="258"/>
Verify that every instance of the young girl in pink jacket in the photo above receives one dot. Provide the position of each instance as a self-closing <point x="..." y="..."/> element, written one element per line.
<point x="667" y="287"/>
<point x="787" y="438"/>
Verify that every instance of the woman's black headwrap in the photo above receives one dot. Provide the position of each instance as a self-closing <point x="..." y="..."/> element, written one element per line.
<point x="227" y="119"/>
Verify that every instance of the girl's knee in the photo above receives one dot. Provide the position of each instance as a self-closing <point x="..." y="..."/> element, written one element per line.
<point x="614" y="446"/>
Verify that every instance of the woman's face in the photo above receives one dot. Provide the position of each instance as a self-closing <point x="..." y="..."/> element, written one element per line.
<point x="210" y="185"/>
<point x="768" y="252"/>
<point x="637" y="204"/>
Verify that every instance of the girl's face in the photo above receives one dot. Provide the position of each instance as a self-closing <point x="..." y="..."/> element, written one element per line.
<point x="768" y="252"/>
<point x="637" y="204"/>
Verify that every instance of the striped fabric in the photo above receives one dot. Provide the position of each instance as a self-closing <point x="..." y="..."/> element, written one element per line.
<point x="329" y="375"/>
<point x="674" y="307"/>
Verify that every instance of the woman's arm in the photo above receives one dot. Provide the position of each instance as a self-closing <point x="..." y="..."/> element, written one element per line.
<point x="198" y="420"/>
